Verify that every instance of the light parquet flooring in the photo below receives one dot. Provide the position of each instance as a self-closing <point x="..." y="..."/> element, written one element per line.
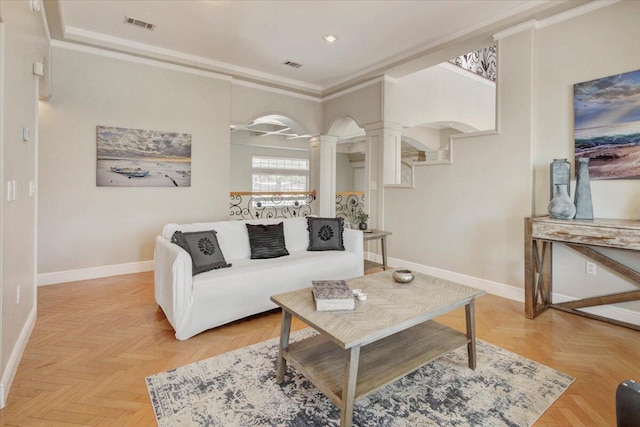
<point x="95" y="341"/>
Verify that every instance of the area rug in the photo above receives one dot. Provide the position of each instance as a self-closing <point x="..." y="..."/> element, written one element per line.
<point x="239" y="389"/>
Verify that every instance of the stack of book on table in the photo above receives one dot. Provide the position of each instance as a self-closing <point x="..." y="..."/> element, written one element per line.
<point x="332" y="295"/>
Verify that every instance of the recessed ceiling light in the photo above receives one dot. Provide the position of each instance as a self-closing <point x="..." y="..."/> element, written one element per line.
<point x="330" y="38"/>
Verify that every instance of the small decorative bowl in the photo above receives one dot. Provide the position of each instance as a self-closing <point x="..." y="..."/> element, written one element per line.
<point x="403" y="276"/>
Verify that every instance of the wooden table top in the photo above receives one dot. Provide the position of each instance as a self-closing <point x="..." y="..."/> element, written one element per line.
<point x="390" y="307"/>
<point x="596" y="222"/>
<point x="374" y="234"/>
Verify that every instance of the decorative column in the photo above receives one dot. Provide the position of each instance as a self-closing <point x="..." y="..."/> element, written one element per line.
<point x="382" y="166"/>
<point x="322" y="173"/>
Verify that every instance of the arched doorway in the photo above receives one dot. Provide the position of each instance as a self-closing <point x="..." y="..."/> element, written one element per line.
<point x="270" y="169"/>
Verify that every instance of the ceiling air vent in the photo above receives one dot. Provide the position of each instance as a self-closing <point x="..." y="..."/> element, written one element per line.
<point x="139" y="23"/>
<point x="292" y="64"/>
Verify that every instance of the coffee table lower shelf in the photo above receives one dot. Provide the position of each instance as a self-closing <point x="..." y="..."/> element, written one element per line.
<point x="323" y="362"/>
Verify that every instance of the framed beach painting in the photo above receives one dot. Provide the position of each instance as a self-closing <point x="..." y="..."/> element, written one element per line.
<point x="142" y="158"/>
<point x="607" y="125"/>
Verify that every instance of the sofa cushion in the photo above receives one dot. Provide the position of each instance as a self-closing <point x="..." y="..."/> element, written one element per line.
<point x="203" y="248"/>
<point x="325" y="234"/>
<point x="267" y="241"/>
<point x="233" y="239"/>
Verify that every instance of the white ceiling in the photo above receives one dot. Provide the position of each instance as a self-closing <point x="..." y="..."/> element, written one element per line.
<point x="251" y="39"/>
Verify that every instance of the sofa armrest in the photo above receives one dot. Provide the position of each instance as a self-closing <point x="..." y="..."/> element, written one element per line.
<point x="354" y="242"/>
<point x="173" y="280"/>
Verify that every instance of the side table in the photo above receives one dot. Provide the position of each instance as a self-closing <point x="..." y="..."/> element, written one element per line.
<point x="382" y="235"/>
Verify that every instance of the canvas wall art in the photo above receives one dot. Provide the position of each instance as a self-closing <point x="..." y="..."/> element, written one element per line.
<point x="142" y="158"/>
<point x="607" y="125"/>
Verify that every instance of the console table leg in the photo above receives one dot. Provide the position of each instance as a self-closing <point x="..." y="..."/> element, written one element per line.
<point x="471" y="333"/>
<point x="352" y="356"/>
<point x="529" y="272"/>
<point x="285" y="330"/>
<point x="537" y="273"/>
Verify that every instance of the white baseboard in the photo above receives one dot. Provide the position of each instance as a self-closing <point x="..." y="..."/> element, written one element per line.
<point x="16" y="355"/>
<point x="94" y="272"/>
<point x="506" y="291"/>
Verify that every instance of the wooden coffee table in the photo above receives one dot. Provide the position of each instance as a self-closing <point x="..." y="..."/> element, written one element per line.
<point x="386" y="337"/>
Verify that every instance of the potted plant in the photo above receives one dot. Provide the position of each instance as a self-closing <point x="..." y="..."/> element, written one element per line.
<point x="362" y="218"/>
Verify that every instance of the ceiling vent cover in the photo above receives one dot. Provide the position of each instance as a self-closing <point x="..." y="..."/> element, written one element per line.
<point x="292" y="64"/>
<point x="139" y="23"/>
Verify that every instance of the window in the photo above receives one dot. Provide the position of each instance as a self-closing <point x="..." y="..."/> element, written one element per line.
<point x="278" y="174"/>
<point x="279" y="163"/>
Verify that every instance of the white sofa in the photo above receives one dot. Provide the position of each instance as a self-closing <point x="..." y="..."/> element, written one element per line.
<point x="194" y="304"/>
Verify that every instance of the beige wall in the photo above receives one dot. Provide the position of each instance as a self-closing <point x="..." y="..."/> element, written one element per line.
<point x="24" y="43"/>
<point x="467" y="217"/>
<point x="344" y="173"/>
<point x="82" y="225"/>
<point x="591" y="46"/>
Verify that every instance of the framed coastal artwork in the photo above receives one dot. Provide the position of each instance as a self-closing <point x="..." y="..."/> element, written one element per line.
<point x="142" y="158"/>
<point x="607" y="125"/>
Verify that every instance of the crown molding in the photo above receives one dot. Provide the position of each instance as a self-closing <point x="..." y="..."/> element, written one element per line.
<point x="105" y="41"/>
<point x="524" y="26"/>
<point x="572" y="13"/>
<point x="554" y="19"/>
<point x="180" y="68"/>
<point x="265" y="88"/>
<point x="136" y="59"/>
<point x="390" y="79"/>
<point x="82" y="40"/>
<point x="424" y="49"/>
<point x="358" y="87"/>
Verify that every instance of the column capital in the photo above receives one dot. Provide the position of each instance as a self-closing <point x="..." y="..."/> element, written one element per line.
<point x="392" y="126"/>
<point x="323" y="139"/>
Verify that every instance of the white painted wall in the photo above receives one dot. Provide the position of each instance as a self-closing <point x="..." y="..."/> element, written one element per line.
<point x="23" y="43"/>
<point x="83" y="226"/>
<point x="426" y="135"/>
<point x="442" y="93"/>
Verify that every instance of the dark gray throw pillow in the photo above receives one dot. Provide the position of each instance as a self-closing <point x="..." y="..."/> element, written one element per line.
<point x="325" y="234"/>
<point x="267" y="241"/>
<point x="204" y="250"/>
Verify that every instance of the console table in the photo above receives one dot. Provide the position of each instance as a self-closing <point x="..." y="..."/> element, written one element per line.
<point x="540" y="233"/>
